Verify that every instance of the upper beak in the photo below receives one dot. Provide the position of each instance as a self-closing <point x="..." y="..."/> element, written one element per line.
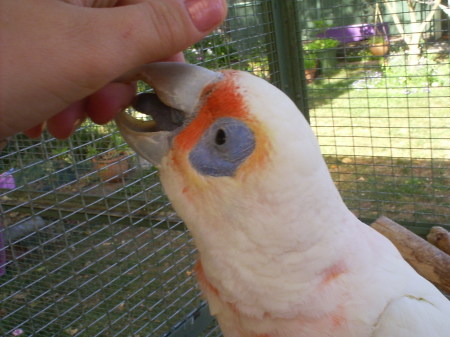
<point x="179" y="88"/>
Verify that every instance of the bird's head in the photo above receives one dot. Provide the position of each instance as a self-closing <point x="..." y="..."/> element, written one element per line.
<point x="226" y="144"/>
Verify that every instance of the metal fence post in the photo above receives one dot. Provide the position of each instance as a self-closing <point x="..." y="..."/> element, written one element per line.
<point x="288" y="58"/>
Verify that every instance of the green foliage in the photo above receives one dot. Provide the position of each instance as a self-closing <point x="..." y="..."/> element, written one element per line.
<point x="215" y="51"/>
<point x="400" y="74"/>
<point x="364" y="55"/>
<point x="314" y="49"/>
<point x="360" y="53"/>
<point x="109" y="142"/>
<point x="309" y="61"/>
<point x="377" y="39"/>
<point x="142" y="86"/>
<point x="320" y="44"/>
<point x="321" y="24"/>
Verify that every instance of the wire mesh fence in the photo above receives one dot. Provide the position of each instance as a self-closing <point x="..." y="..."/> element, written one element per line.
<point x="379" y="104"/>
<point x="89" y="244"/>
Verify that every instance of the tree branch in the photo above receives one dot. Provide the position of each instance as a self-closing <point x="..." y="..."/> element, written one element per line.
<point x="393" y="12"/>
<point x="430" y="15"/>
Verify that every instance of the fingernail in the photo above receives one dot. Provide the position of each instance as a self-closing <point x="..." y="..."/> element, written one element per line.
<point x="205" y="14"/>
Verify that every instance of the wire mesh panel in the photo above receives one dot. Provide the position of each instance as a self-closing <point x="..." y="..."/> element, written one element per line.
<point x="89" y="245"/>
<point x="87" y="254"/>
<point x="378" y="94"/>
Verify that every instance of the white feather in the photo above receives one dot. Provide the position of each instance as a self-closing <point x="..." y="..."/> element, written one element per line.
<point x="267" y="242"/>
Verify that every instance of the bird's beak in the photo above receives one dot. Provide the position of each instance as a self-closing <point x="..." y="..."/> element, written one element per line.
<point x="179" y="88"/>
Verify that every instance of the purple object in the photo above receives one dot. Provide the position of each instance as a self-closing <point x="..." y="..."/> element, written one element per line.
<point x="18" y="332"/>
<point x="358" y="32"/>
<point x="7" y="180"/>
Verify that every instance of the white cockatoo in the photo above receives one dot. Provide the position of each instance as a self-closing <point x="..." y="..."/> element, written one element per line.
<point x="280" y="255"/>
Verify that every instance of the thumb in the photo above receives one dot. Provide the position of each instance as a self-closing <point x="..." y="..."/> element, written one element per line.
<point x="64" y="53"/>
<point x="142" y="31"/>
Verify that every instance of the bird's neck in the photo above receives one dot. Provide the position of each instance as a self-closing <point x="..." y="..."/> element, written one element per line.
<point x="276" y="248"/>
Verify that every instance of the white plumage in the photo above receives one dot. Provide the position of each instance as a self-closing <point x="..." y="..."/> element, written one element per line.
<point x="280" y="253"/>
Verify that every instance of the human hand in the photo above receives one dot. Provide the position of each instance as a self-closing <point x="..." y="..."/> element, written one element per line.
<point x="59" y="58"/>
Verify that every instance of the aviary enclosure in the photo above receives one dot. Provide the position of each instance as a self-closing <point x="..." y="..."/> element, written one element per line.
<point x="89" y="244"/>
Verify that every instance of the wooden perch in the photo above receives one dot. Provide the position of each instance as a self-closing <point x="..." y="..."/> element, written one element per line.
<point x="439" y="237"/>
<point x="428" y="260"/>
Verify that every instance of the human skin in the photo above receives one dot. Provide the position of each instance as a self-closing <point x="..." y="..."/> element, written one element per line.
<point x="59" y="58"/>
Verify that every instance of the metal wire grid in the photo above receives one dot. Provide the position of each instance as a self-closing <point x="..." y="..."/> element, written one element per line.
<point x="383" y="122"/>
<point x="87" y="257"/>
<point x="213" y="332"/>
<point x="245" y="41"/>
<point x="124" y="269"/>
<point x="85" y="253"/>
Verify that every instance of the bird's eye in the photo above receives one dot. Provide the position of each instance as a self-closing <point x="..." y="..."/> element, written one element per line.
<point x="221" y="137"/>
<point x="224" y="146"/>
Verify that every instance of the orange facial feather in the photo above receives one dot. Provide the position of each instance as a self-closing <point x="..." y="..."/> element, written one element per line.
<point x="221" y="99"/>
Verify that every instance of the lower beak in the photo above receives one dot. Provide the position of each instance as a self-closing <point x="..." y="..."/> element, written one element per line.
<point x="179" y="88"/>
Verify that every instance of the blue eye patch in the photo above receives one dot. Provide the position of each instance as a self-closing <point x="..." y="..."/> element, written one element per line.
<point x="223" y="148"/>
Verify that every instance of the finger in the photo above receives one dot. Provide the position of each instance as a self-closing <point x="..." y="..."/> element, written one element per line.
<point x="93" y="47"/>
<point x="36" y="131"/>
<point x="93" y="3"/>
<point x="145" y="32"/>
<point x="178" y="57"/>
<point x="103" y="106"/>
<point x="64" y="123"/>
